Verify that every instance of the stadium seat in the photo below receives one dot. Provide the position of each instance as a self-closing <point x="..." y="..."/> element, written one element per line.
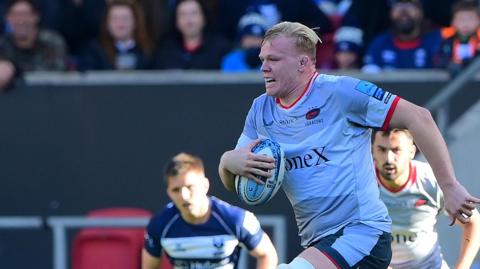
<point x="109" y="248"/>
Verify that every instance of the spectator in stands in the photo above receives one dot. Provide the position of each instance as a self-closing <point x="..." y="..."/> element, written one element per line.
<point x="406" y="45"/>
<point x="348" y="48"/>
<point x="251" y="28"/>
<point x="124" y="43"/>
<point x="49" y="18"/>
<point x="200" y="231"/>
<point x="191" y="45"/>
<point x="460" y="42"/>
<point x="373" y="16"/>
<point x="27" y="45"/>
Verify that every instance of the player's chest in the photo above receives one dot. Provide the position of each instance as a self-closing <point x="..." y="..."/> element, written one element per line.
<point x="309" y="117"/>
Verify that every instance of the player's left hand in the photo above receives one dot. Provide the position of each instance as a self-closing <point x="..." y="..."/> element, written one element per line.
<point x="458" y="202"/>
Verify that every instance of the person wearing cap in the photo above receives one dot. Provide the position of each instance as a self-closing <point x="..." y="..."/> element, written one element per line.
<point x="348" y="47"/>
<point x="405" y="46"/>
<point x="251" y="28"/>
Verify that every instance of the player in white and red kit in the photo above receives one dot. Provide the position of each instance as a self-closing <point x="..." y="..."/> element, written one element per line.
<point x="414" y="201"/>
<point x="323" y="124"/>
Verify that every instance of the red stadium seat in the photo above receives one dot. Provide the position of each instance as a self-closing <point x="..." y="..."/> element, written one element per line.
<point x="109" y="248"/>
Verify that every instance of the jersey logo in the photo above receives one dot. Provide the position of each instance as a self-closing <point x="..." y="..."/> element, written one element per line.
<point x="312" y="114"/>
<point x="149" y="240"/>
<point x="370" y="89"/>
<point x="313" y="157"/>
<point x="218" y="242"/>
<point x="420" y="202"/>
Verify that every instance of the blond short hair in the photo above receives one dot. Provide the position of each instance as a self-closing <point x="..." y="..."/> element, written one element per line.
<point x="306" y="39"/>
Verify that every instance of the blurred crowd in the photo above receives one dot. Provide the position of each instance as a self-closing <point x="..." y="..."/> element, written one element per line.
<point x="368" y="35"/>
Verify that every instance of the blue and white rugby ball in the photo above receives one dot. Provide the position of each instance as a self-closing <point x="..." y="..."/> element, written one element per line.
<point x="253" y="193"/>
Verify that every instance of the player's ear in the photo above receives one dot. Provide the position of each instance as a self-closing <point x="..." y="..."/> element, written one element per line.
<point x="206" y="184"/>
<point x="413" y="151"/>
<point x="303" y="60"/>
<point x="302" y="63"/>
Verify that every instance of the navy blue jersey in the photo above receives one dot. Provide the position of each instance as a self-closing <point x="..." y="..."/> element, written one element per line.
<point x="213" y="244"/>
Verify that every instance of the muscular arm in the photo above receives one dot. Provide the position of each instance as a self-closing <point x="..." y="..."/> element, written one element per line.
<point x="265" y="254"/>
<point x="470" y="242"/>
<point x="149" y="261"/>
<point x="428" y="138"/>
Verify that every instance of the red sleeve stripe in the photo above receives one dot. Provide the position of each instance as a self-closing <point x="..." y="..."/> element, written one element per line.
<point x="386" y="123"/>
<point x="334" y="262"/>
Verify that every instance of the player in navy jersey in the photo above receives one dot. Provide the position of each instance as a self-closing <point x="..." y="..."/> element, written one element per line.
<point x="414" y="200"/>
<point x="323" y="123"/>
<point x="198" y="231"/>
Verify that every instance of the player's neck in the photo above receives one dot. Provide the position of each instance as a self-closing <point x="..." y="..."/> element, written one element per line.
<point x="296" y="93"/>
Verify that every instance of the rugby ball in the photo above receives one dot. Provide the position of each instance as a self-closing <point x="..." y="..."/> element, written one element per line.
<point x="253" y="193"/>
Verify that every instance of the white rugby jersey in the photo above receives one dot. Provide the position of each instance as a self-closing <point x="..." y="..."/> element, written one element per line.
<point x="214" y="244"/>
<point x="414" y="209"/>
<point x="329" y="179"/>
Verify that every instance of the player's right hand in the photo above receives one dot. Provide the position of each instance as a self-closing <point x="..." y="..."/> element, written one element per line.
<point x="243" y="162"/>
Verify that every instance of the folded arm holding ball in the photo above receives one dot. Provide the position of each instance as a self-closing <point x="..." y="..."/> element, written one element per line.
<point x="323" y="123"/>
<point x="246" y="163"/>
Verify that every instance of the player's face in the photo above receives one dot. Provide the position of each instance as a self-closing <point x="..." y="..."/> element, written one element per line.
<point x="392" y="154"/>
<point x="466" y="22"/>
<point x="121" y="23"/>
<point x="280" y="62"/>
<point x="190" y="20"/>
<point x="189" y="194"/>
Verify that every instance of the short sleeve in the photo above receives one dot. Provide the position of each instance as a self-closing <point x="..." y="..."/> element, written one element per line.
<point x="364" y="103"/>
<point x="152" y="239"/>
<point x="250" y="231"/>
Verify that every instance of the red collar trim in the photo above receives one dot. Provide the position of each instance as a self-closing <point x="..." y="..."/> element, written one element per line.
<point x="406" y="45"/>
<point x="412" y="178"/>
<point x="310" y="82"/>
